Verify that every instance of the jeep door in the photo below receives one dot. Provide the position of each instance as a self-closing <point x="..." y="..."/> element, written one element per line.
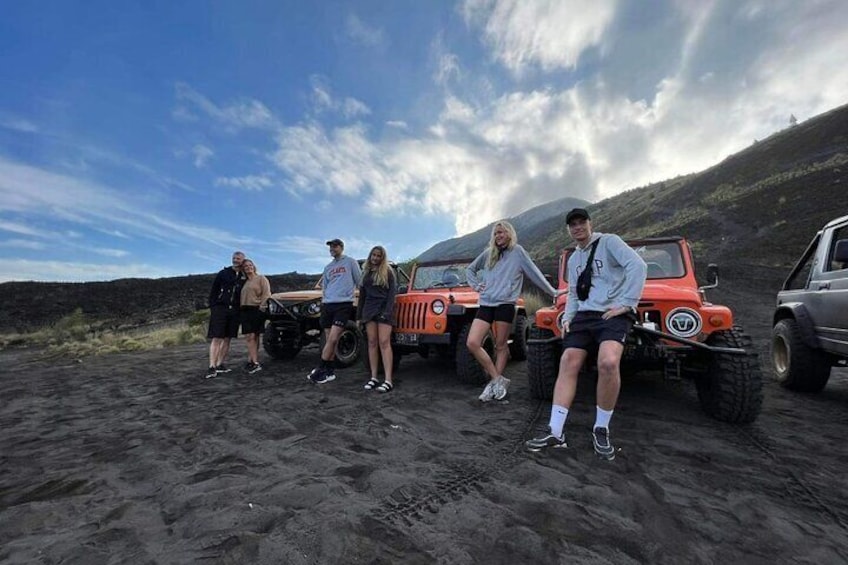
<point x="829" y="293"/>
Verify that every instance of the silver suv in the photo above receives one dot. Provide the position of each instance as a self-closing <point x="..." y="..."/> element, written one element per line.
<point x="810" y="328"/>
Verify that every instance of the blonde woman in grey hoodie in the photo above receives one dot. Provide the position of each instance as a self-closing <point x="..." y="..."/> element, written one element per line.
<point x="497" y="274"/>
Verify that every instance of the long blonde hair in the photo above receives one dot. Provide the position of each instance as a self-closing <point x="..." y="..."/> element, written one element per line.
<point x="494" y="251"/>
<point x="379" y="274"/>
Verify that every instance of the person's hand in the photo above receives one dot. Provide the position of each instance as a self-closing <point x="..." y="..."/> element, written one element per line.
<point x="615" y="311"/>
<point x="566" y="327"/>
<point x="481" y="287"/>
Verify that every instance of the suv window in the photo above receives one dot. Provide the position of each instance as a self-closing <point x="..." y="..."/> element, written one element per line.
<point x="838" y="235"/>
<point x="801" y="274"/>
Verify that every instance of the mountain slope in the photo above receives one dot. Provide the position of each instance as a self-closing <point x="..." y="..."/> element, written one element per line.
<point x="526" y="224"/>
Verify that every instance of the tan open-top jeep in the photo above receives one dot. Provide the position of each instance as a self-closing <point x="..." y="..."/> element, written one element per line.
<point x="434" y="317"/>
<point x="678" y="332"/>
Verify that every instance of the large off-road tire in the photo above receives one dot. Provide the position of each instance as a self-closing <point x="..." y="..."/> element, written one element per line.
<point x="542" y="364"/>
<point x="797" y="366"/>
<point x="731" y="389"/>
<point x="467" y="368"/>
<point x="349" y="347"/>
<point x="278" y="347"/>
<point x="520" y="333"/>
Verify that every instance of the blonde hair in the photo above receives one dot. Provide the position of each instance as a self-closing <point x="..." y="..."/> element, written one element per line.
<point x="494" y="251"/>
<point x="255" y="268"/>
<point x="379" y="274"/>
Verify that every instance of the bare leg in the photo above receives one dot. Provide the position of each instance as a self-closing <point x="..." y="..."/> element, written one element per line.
<point x="479" y="329"/>
<point x="609" y="373"/>
<point x="385" y="333"/>
<point x="329" y="351"/>
<point x="569" y="368"/>
<point x="501" y="331"/>
<point x="223" y="351"/>
<point x="373" y="347"/>
<point x="252" y="347"/>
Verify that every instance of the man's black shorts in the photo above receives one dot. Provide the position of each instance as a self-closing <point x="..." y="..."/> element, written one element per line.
<point x="588" y="329"/>
<point x="499" y="313"/>
<point x="252" y="320"/>
<point x="223" y="322"/>
<point x="336" y="314"/>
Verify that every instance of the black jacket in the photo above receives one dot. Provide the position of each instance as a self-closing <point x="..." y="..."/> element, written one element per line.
<point x="226" y="290"/>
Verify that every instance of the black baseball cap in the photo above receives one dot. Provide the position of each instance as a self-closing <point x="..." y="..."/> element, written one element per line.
<point x="336" y="241"/>
<point x="577" y="213"/>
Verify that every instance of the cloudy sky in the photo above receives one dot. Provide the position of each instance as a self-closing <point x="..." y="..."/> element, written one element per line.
<point x="153" y="138"/>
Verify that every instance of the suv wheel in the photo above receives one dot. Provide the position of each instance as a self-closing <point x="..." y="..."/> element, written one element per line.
<point x="520" y="332"/>
<point x="467" y="368"/>
<point x="797" y="366"/>
<point x="349" y="346"/>
<point x="731" y="389"/>
<point x="542" y="364"/>
<point x="277" y="347"/>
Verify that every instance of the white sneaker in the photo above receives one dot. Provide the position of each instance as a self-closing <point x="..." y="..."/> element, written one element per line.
<point x="500" y="387"/>
<point x="488" y="392"/>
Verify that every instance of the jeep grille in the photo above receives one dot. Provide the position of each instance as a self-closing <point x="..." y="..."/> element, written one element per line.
<point x="411" y="316"/>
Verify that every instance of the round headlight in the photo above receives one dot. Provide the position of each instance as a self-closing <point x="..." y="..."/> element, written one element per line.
<point x="683" y="322"/>
<point x="314" y="308"/>
<point x="438" y="307"/>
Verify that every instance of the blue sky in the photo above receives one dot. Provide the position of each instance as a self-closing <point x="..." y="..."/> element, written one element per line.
<point x="152" y="138"/>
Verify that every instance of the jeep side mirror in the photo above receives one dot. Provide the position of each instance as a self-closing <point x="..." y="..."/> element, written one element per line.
<point x="712" y="277"/>
<point x="402" y="289"/>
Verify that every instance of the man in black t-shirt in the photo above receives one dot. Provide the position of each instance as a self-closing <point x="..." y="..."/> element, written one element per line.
<point x="224" y="301"/>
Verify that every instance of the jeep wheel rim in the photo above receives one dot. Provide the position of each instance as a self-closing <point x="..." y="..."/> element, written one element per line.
<point x="780" y="356"/>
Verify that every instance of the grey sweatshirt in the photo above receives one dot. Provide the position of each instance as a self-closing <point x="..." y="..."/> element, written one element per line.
<point x="618" y="276"/>
<point x="502" y="283"/>
<point x="340" y="279"/>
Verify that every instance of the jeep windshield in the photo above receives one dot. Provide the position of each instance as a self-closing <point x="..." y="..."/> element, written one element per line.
<point x="446" y="275"/>
<point x="663" y="258"/>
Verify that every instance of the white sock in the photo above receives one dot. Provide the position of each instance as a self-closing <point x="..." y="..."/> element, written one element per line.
<point x="558" y="416"/>
<point x="602" y="417"/>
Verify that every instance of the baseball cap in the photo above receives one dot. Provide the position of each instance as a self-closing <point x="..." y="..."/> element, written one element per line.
<point x="336" y="241"/>
<point x="576" y="213"/>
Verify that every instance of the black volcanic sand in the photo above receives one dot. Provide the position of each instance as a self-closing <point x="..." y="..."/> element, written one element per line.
<point x="138" y="459"/>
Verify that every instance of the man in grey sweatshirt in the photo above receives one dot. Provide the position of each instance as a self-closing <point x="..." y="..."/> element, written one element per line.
<point x="339" y="281"/>
<point x="599" y="320"/>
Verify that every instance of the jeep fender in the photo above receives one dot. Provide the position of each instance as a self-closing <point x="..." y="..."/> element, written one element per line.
<point x="798" y="312"/>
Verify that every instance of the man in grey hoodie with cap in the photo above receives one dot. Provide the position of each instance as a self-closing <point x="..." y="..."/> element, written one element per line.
<point x="597" y="318"/>
<point x="339" y="281"/>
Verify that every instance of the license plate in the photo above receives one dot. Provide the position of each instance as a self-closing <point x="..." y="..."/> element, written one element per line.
<point x="406" y="339"/>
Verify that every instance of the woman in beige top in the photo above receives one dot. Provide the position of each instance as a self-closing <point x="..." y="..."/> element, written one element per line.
<point x="254" y="303"/>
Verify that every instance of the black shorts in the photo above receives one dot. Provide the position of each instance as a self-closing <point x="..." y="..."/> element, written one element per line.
<point x="252" y="320"/>
<point x="223" y="322"/>
<point x="588" y="329"/>
<point x="499" y="313"/>
<point x="336" y="314"/>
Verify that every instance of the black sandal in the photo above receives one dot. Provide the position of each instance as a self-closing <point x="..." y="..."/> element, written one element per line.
<point x="371" y="384"/>
<point x="385" y="386"/>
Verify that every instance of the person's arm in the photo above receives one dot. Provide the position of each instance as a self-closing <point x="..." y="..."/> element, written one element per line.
<point x="472" y="269"/>
<point x="635" y="269"/>
<point x="571" y="302"/>
<point x="389" y="310"/>
<point x="216" y="289"/>
<point x="265" y="287"/>
<point x="360" y="301"/>
<point x="532" y="272"/>
<point x="355" y="271"/>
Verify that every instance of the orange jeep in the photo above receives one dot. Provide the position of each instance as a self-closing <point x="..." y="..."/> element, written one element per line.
<point x="678" y="332"/>
<point x="434" y="315"/>
<point x="294" y="322"/>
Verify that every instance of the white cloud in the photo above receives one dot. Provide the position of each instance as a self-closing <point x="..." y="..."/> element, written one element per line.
<point x="550" y="34"/>
<point x="17" y="124"/>
<point x="106" y="252"/>
<point x="202" y="154"/>
<point x="18" y="228"/>
<point x="323" y="100"/>
<point x="246" y="113"/>
<point x="399" y="124"/>
<point x="23" y="244"/>
<point x="362" y="33"/>
<point x="250" y="182"/>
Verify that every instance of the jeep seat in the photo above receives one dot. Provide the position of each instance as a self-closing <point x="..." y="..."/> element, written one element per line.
<point x="655" y="271"/>
<point x="451" y="278"/>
